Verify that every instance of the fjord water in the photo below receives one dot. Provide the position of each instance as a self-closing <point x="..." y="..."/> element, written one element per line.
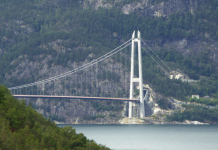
<point x="152" y="137"/>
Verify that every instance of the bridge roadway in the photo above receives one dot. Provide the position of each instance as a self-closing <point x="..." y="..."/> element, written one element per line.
<point x="75" y="97"/>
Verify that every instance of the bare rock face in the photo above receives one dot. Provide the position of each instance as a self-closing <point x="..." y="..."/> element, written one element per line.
<point x="74" y="111"/>
<point x="26" y="29"/>
<point x="95" y="4"/>
<point x="146" y="7"/>
<point x="166" y="8"/>
<point x="130" y="8"/>
<point x="187" y="47"/>
<point x="1" y="51"/>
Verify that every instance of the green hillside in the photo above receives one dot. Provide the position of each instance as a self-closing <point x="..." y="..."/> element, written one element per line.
<point x="25" y="25"/>
<point x="21" y="127"/>
<point x="193" y="113"/>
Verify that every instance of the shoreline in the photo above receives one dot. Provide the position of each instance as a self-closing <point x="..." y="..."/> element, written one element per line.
<point x="187" y="122"/>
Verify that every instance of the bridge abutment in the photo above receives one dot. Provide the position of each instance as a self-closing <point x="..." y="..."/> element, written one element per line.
<point x="136" y="109"/>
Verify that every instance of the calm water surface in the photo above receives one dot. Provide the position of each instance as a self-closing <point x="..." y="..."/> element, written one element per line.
<point x="152" y="137"/>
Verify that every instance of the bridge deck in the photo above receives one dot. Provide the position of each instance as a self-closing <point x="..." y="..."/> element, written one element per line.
<point x="74" y="97"/>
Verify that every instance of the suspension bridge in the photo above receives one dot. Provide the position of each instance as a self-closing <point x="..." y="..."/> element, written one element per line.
<point x="105" y="78"/>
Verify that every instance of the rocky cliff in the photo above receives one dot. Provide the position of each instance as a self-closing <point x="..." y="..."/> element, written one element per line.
<point x="163" y="8"/>
<point x="79" y="111"/>
<point x="156" y="8"/>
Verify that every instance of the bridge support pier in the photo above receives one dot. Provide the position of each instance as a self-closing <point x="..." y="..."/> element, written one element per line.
<point x="139" y="80"/>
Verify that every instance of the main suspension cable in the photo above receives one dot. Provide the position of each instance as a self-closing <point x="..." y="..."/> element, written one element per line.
<point x="155" y="60"/>
<point x="157" y="56"/>
<point x="77" y="69"/>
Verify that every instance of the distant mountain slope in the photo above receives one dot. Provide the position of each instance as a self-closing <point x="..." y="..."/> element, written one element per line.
<point x="39" y="39"/>
<point x="28" y="26"/>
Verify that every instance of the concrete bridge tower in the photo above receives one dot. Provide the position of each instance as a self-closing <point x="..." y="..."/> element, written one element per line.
<point x="139" y="80"/>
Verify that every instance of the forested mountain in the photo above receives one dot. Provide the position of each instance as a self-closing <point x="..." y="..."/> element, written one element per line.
<point x="60" y="32"/>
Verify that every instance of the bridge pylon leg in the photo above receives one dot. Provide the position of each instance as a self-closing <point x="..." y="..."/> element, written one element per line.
<point x="140" y="79"/>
